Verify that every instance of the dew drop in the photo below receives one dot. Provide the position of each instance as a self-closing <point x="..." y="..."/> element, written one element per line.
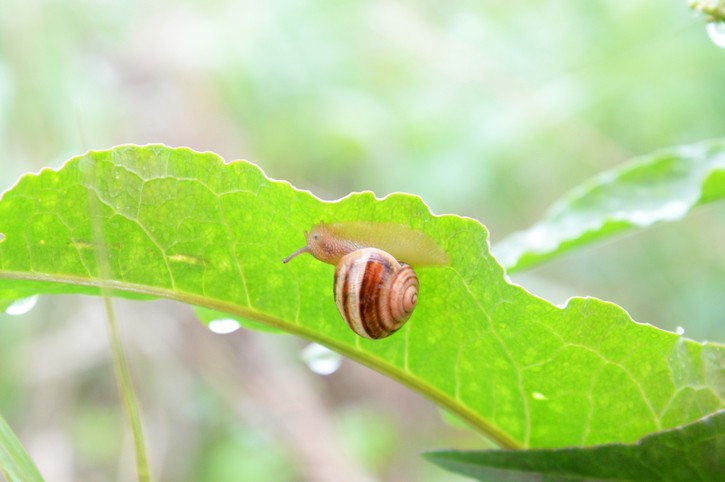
<point x="20" y="307"/>
<point x="680" y="330"/>
<point x="716" y="31"/>
<point x="320" y="360"/>
<point x="538" y="396"/>
<point x="224" y="326"/>
<point x="2" y="237"/>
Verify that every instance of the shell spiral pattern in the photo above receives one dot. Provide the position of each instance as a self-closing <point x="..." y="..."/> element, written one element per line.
<point x="374" y="293"/>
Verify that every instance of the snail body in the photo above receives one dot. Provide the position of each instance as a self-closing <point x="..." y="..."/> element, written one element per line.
<point x="375" y="293"/>
<point x="325" y="245"/>
<point x="330" y="242"/>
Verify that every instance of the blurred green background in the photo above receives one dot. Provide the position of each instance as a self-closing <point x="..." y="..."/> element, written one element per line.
<point x="485" y="109"/>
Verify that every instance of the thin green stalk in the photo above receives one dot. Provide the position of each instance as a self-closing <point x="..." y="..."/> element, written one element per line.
<point x="125" y="387"/>
<point x="123" y="375"/>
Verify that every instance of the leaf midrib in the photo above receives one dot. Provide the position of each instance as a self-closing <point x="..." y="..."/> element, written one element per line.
<point x="363" y="357"/>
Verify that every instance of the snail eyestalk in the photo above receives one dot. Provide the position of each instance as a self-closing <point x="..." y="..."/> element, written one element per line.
<point x="302" y="250"/>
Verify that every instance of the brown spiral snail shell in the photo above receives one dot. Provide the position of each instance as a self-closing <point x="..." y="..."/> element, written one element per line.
<point x="374" y="292"/>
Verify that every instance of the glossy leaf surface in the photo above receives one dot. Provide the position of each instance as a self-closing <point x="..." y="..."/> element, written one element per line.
<point x="182" y="225"/>
<point x="657" y="188"/>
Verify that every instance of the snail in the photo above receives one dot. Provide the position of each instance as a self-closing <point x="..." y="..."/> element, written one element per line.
<point x="374" y="292"/>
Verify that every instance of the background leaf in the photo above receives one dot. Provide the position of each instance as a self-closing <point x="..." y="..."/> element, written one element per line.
<point x="15" y="463"/>
<point x="661" y="187"/>
<point x="692" y="452"/>
<point x="185" y="226"/>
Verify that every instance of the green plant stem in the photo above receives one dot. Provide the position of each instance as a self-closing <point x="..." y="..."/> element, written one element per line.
<point x="123" y="375"/>
<point x="125" y="387"/>
<point x="714" y="10"/>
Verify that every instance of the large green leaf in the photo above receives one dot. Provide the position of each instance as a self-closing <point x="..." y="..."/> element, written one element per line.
<point x="184" y="225"/>
<point x="692" y="452"/>
<point x="661" y="187"/>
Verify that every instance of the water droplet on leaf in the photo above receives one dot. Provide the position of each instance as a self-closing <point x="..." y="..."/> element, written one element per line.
<point x="538" y="396"/>
<point x="20" y="307"/>
<point x="224" y="326"/>
<point x="716" y="31"/>
<point x="321" y="360"/>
